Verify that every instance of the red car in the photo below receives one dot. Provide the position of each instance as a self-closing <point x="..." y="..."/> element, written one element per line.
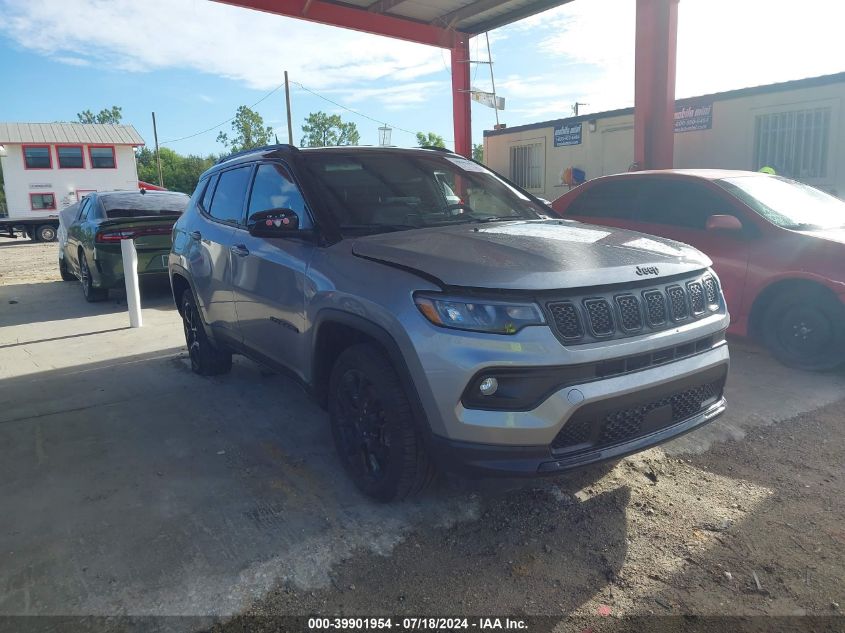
<point x="777" y="245"/>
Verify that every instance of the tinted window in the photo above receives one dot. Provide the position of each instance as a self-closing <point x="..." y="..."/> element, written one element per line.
<point x="83" y="208"/>
<point x="37" y="157"/>
<point x="676" y="203"/>
<point x="133" y="205"/>
<point x="209" y="191"/>
<point x="102" y="157"/>
<point x="70" y="157"/>
<point x="228" y="202"/>
<point x="608" y="199"/>
<point x="273" y="188"/>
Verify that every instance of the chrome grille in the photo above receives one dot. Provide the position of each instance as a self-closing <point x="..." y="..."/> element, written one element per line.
<point x="711" y="290"/>
<point x="600" y="317"/>
<point x="566" y="318"/>
<point x="696" y="296"/>
<point x="655" y="304"/>
<point x="629" y="311"/>
<point x="677" y="303"/>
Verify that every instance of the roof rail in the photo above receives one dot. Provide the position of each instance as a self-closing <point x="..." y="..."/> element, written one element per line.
<point x="263" y="148"/>
<point x="437" y="148"/>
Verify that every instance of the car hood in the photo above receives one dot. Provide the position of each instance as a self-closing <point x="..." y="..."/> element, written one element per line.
<point x="531" y="255"/>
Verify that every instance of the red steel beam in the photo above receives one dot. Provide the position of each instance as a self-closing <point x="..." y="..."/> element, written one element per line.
<point x="461" y="96"/>
<point x="355" y="19"/>
<point x="654" y="78"/>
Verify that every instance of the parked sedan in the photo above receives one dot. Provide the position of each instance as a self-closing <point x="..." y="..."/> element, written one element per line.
<point x="777" y="245"/>
<point x="91" y="250"/>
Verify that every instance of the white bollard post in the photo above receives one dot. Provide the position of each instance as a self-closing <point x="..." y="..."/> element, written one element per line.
<point x="130" y="275"/>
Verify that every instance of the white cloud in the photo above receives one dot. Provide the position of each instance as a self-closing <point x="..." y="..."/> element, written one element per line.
<point x="240" y="44"/>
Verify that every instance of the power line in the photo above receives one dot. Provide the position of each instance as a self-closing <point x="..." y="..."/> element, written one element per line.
<point x="360" y="114"/>
<point x="269" y="94"/>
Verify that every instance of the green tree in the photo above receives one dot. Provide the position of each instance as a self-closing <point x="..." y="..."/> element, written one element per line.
<point x="113" y="115"/>
<point x="478" y="152"/>
<point x="430" y="140"/>
<point x="180" y="173"/>
<point x="323" y="130"/>
<point x="248" y="131"/>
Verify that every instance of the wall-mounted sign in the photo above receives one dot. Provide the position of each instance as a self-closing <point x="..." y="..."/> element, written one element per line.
<point x="694" y="117"/>
<point x="567" y="134"/>
<point x="40" y="185"/>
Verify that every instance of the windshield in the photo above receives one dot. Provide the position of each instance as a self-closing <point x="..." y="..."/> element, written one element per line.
<point x="137" y="205"/>
<point x="786" y="203"/>
<point x="374" y="191"/>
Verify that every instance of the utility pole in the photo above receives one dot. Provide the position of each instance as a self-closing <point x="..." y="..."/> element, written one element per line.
<point x="287" y="102"/>
<point x="575" y="107"/>
<point x="492" y="81"/>
<point x="158" y="157"/>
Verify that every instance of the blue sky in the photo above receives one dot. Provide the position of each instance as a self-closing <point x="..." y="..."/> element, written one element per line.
<point x="194" y="62"/>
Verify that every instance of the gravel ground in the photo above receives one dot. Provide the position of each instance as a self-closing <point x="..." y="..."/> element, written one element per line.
<point x="23" y="261"/>
<point x="749" y="528"/>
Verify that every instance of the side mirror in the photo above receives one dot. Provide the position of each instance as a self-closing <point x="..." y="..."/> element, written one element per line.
<point x="723" y="223"/>
<point x="273" y="223"/>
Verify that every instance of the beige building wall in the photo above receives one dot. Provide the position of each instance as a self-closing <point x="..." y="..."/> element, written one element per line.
<point x="607" y="142"/>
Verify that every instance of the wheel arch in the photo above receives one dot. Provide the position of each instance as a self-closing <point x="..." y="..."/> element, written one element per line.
<point x="766" y="296"/>
<point x="335" y="331"/>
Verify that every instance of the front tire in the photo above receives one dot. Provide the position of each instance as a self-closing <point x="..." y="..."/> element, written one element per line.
<point x="206" y="358"/>
<point x="377" y="440"/>
<point x="91" y="294"/>
<point x="806" y="330"/>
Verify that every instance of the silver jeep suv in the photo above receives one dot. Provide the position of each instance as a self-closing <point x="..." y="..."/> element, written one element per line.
<point x="443" y="316"/>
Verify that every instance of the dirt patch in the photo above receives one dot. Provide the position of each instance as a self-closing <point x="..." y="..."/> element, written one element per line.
<point x="23" y="261"/>
<point x="754" y="527"/>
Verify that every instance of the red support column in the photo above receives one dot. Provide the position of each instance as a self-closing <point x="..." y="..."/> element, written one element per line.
<point x="461" y="96"/>
<point x="654" y="92"/>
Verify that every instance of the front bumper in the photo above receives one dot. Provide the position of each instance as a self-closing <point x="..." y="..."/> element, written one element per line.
<point x="606" y="429"/>
<point x="607" y="419"/>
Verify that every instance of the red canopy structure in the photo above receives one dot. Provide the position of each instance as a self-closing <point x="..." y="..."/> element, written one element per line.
<point x="450" y="24"/>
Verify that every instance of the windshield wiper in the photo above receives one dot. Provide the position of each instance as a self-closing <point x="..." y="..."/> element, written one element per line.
<point x="378" y="228"/>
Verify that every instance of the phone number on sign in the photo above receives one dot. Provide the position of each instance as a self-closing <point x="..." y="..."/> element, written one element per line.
<point x="411" y="624"/>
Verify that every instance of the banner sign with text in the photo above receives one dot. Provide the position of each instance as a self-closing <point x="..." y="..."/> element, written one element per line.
<point x="567" y="134"/>
<point x="694" y="117"/>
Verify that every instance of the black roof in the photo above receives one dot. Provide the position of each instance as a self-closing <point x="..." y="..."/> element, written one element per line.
<point x="280" y="150"/>
<point x="796" y="84"/>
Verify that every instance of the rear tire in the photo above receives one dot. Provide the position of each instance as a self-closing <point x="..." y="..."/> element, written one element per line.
<point x="206" y="358"/>
<point x="806" y="330"/>
<point x="64" y="272"/>
<point x="91" y="294"/>
<point x="46" y="233"/>
<point x="377" y="440"/>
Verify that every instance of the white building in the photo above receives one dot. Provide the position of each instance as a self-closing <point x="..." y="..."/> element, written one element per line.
<point x="797" y="127"/>
<point x="49" y="166"/>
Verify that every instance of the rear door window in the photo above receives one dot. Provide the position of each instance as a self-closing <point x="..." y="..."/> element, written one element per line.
<point x="616" y="199"/>
<point x="227" y="205"/>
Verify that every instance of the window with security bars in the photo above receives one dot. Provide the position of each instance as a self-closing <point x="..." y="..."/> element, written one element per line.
<point x="526" y="168"/>
<point x="795" y="143"/>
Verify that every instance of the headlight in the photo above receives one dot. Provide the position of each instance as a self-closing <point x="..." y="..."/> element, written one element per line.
<point x="479" y="316"/>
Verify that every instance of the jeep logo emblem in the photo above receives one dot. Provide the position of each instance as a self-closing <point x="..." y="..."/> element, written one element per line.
<point x="647" y="270"/>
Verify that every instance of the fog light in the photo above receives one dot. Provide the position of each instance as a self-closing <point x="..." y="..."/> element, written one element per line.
<point x="488" y="386"/>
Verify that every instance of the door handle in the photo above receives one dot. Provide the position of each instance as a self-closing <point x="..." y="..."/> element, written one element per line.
<point x="196" y="235"/>
<point x="240" y="250"/>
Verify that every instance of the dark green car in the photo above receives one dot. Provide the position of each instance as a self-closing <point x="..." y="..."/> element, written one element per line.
<point x="90" y="250"/>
